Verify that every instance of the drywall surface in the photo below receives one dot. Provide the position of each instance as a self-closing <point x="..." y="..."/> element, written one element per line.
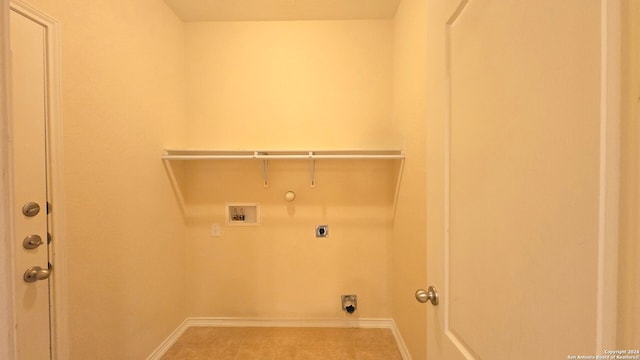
<point x="408" y="246"/>
<point x="290" y="85"/>
<point x="268" y="10"/>
<point x="122" y="100"/>
<point x="279" y="269"/>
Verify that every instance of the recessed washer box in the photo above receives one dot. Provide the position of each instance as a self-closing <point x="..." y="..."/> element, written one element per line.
<point x="242" y="214"/>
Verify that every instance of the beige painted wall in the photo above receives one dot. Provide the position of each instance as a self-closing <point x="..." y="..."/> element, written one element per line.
<point x="629" y="266"/>
<point x="408" y="247"/>
<point x="122" y="99"/>
<point x="290" y="85"/>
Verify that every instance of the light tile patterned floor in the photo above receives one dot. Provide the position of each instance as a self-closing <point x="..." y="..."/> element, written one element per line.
<point x="284" y="344"/>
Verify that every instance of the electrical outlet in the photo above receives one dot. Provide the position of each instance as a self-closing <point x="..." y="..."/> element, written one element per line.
<point x="322" y="231"/>
<point x="215" y="230"/>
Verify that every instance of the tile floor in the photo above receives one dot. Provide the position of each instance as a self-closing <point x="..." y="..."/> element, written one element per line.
<point x="284" y="344"/>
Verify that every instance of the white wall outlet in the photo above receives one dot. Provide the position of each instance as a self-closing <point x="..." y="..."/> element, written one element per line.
<point x="215" y="230"/>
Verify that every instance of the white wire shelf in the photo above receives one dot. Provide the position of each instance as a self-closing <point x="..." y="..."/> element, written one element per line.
<point x="282" y="155"/>
<point x="266" y="155"/>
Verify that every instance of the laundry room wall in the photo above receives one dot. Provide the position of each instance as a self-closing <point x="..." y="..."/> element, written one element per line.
<point x="290" y="85"/>
<point x="122" y="100"/>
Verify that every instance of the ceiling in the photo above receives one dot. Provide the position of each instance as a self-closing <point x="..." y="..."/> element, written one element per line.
<point x="267" y="10"/>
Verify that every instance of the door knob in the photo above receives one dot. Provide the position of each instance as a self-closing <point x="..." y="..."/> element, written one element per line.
<point x="35" y="273"/>
<point x="431" y="294"/>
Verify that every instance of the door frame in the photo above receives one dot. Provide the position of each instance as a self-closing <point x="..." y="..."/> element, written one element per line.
<point x="609" y="210"/>
<point x="58" y="283"/>
<point x="438" y="153"/>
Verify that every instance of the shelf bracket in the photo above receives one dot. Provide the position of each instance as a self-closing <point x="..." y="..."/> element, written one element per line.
<point x="265" y="173"/>
<point x="176" y="186"/>
<point x="265" y="170"/>
<point x="312" y="170"/>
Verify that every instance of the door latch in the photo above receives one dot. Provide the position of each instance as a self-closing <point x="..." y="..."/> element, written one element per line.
<point x="35" y="273"/>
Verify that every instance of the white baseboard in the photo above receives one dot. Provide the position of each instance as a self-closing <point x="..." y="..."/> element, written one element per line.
<point x="169" y="341"/>
<point x="404" y="351"/>
<point x="265" y="322"/>
<point x="258" y="322"/>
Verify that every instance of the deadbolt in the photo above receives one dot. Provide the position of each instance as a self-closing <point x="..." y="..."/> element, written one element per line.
<point x="32" y="242"/>
<point x="431" y="294"/>
<point x="36" y="273"/>
<point x="31" y="209"/>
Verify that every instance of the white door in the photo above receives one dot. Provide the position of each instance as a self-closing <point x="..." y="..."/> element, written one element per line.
<point x="29" y="165"/>
<point x="518" y="199"/>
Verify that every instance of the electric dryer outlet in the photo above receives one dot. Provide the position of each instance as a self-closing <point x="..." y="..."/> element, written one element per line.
<point x="322" y="231"/>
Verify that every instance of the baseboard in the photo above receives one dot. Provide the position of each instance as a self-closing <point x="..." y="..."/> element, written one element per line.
<point x="259" y="322"/>
<point x="265" y="322"/>
<point x="169" y="341"/>
<point x="404" y="351"/>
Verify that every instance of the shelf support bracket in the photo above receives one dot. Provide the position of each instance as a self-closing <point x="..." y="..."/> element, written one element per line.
<point x="265" y="170"/>
<point x="265" y="173"/>
<point x="399" y="181"/>
<point x="312" y="170"/>
<point x="176" y="186"/>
